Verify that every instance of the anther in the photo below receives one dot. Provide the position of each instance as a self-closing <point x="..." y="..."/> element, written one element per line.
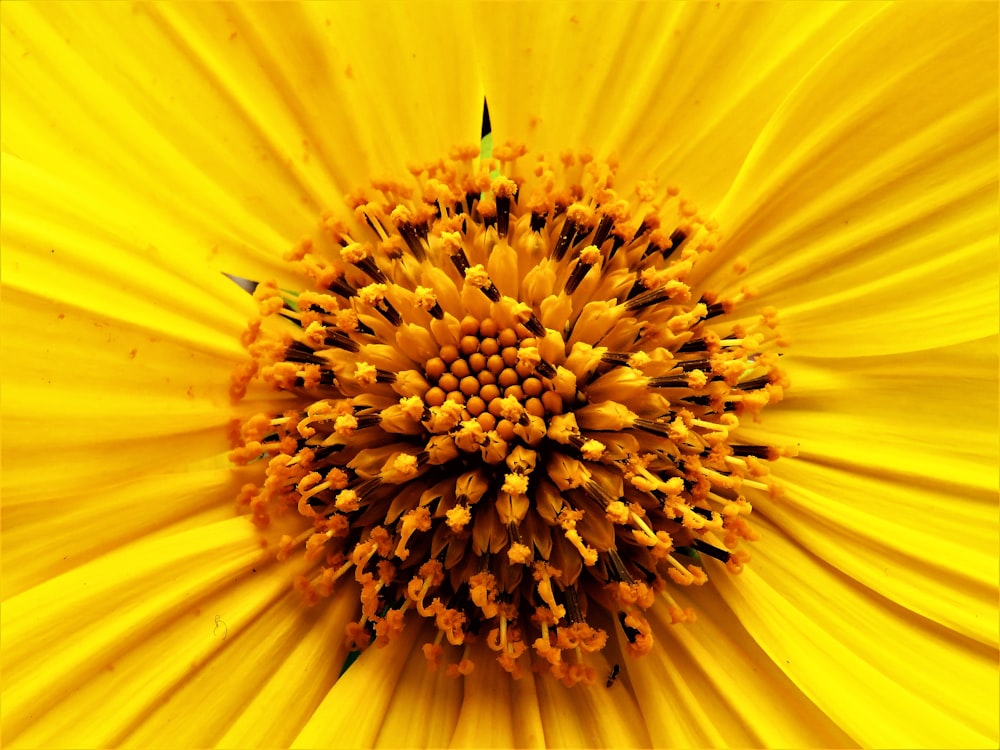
<point x="603" y="230"/>
<point x="647" y="299"/>
<point x="299" y="352"/>
<point x="339" y="340"/>
<point x="588" y="257"/>
<point x="452" y="244"/>
<point x="711" y="550"/>
<point x="757" y="451"/>
<point x="341" y="287"/>
<point x="360" y="257"/>
<point x="616" y="568"/>
<point x="676" y="240"/>
<point x="410" y="449"/>
<point x="753" y="385"/>
<point x="564" y="241"/>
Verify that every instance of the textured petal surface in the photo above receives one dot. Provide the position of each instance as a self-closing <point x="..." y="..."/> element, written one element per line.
<point x="153" y="597"/>
<point x="722" y="688"/>
<point x="872" y="223"/>
<point x="851" y="651"/>
<point x="895" y="483"/>
<point x="389" y="698"/>
<point x="676" y="91"/>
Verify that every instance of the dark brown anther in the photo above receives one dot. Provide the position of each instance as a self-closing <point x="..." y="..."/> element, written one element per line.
<point x="676" y="240"/>
<point x="534" y="325"/>
<point x="573" y="612"/>
<point x="342" y="288"/>
<point x="379" y="230"/>
<point x="565" y="240"/>
<point x="411" y="236"/>
<point x="653" y="427"/>
<point x="576" y="275"/>
<point x="299" y="352"/>
<point x="370" y="419"/>
<point x="369" y="267"/>
<point x="697" y="345"/>
<point x="714" y="311"/>
<point x="668" y="382"/>
<point x="340" y="340"/>
<point x="616" y="568"/>
<point x="390" y="313"/>
<point x="712" y="551"/>
<point x="757" y="451"/>
<point x="461" y="261"/>
<point x="503" y="215"/>
<point x="647" y="299"/>
<point x="753" y="385"/>
<point x="491" y="292"/>
<point x="544" y="369"/>
<point x="603" y="230"/>
<point x="694" y="364"/>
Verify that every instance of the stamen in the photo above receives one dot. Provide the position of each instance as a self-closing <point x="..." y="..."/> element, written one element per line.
<point x="590" y="256"/>
<point x="509" y="404"/>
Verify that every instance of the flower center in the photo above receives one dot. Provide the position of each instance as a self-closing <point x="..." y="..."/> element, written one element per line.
<point x="512" y="409"/>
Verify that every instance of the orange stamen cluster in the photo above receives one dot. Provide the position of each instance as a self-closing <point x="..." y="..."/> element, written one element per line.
<point x="513" y="409"/>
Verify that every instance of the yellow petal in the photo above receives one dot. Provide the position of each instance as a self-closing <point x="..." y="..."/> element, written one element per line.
<point x="106" y="397"/>
<point x="851" y="651"/>
<point x="100" y="626"/>
<point x="678" y="91"/>
<point x="867" y="207"/>
<point x="496" y="711"/>
<point x="591" y="715"/>
<point x="266" y="683"/>
<point x="710" y="684"/>
<point x="351" y="713"/>
<point x="53" y="534"/>
<point x="390" y="698"/>
<point x="928" y="413"/>
<point x="931" y="548"/>
<point x="137" y="196"/>
<point x="209" y="120"/>
<point x="895" y="482"/>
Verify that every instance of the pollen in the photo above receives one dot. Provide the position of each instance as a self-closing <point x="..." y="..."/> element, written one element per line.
<point x="510" y="405"/>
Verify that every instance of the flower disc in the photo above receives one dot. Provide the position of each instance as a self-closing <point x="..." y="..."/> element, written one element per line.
<point x="511" y="405"/>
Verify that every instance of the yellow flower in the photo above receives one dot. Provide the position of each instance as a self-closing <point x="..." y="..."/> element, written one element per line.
<point x="849" y="155"/>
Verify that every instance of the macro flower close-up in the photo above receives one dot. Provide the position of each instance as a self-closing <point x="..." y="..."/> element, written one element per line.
<point x="499" y="374"/>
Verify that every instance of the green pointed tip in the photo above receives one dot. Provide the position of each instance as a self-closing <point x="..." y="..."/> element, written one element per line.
<point x="487" y="127"/>
<point x="248" y="286"/>
<point x="245" y="284"/>
<point x="486" y="138"/>
<point x="351" y="658"/>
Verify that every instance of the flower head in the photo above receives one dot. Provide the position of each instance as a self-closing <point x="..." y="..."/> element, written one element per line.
<point x="529" y="413"/>
<point x="847" y="150"/>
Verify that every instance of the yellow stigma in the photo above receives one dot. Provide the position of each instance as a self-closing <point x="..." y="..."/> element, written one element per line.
<point x="512" y="408"/>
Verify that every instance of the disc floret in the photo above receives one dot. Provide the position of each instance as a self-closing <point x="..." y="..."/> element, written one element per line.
<point x="512" y="409"/>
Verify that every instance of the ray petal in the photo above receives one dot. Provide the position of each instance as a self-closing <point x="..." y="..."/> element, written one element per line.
<point x="65" y="639"/>
<point x="678" y="79"/>
<point x="930" y="688"/>
<point x="724" y="690"/>
<point x="867" y="207"/>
